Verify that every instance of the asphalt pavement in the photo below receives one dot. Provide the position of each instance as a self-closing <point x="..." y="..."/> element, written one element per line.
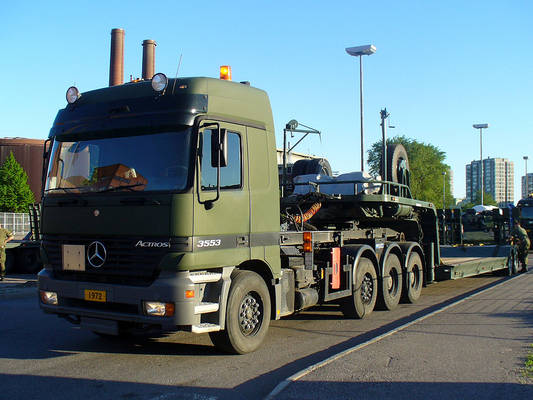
<point x="18" y="286"/>
<point x="474" y="349"/>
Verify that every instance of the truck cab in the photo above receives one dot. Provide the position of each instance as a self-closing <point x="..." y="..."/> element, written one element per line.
<point x="153" y="196"/>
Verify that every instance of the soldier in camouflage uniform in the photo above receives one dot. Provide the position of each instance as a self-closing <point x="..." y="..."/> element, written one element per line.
<point x="5" y="236"/>
<point x="519" y="236"/>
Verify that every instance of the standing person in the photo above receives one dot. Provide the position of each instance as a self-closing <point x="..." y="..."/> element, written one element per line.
<point x="521" y="239"/>
<point x="5" y="236"/>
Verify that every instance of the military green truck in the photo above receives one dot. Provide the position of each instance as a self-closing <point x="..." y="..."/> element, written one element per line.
<point x="162" y="210"/>
<point x="525" y="206"/>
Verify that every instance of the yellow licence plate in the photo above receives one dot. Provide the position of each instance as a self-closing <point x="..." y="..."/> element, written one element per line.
<point x="95" y="295"/>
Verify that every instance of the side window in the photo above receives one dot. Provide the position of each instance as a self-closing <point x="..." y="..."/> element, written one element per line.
<point x="231" y="175"/>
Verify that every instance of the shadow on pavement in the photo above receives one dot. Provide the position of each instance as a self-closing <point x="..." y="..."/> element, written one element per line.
<point x="62" y="388"/>
<point x="406" y="390"/>
<point x="77" y="341"/>
<point x="55" y="388"/>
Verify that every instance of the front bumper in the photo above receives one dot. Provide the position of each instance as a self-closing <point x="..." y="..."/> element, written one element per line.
<point x="124" y="303"/>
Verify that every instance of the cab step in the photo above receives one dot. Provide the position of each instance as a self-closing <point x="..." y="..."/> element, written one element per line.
<point x="205" y="307"/>
<point x="205" y="277"/>
<point x="205" y="327"/>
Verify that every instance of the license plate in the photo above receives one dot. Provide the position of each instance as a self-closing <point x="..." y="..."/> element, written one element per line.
<point x="95" y="295"/>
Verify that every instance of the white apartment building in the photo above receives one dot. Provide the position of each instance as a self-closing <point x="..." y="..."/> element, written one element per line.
<point x="498" y="179"/>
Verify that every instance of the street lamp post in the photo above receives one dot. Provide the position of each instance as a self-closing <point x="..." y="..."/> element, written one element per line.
<point x="527" y="188"/>
<point x="444" y="190"/>
<point x="481" y="127"/>
<point x="360" y="51"/>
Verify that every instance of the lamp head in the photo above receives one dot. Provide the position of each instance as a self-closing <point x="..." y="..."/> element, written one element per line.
<point x="366" y="50"/>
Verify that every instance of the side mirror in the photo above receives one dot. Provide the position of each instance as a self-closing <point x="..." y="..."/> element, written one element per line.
<point x="219" y="148"/>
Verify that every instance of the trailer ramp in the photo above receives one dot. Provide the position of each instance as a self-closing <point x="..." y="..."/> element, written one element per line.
<point x="463" y="261"/>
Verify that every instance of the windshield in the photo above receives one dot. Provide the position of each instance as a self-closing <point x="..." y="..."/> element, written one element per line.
<point x="526" y="212"/>
<point x="158" y="161"/>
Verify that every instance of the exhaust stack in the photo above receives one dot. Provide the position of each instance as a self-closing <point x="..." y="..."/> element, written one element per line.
<point x="116" y="62"/>
<point x="148" y="58"/>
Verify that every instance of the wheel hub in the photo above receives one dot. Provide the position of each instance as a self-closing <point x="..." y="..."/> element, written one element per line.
<point x="249" y="315"/>
<point x="367" y="289"/>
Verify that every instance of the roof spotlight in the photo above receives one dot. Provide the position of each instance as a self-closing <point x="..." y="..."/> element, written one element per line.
<point x="159" y="82"/>
<point x="73" y="94"/>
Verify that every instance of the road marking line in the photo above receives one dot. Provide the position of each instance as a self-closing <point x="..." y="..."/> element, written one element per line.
<point x="300" y="374"/>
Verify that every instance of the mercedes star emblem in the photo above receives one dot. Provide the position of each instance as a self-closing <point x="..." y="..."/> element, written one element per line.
<point x="96" y="254"/>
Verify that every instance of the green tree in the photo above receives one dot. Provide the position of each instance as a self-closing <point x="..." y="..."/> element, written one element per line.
<point x="15" y="193"/>
<point x="488" y="200"/>
<point x="427" y="167"/>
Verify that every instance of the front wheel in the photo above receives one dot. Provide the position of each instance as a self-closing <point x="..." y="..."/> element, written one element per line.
<point x="247" y="315"/>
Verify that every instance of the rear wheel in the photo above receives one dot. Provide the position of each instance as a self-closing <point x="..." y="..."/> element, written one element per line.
<point x="413" y="278"/>
<point x="247" y="315"/>
<point x="365" y="291"/>
<point x="390" y="288"/>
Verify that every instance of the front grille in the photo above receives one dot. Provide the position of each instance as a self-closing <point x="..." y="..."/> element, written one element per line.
<point x="125" y="264"/>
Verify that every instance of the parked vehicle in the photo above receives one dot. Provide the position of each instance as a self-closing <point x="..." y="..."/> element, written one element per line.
<point x="526" y="214"/>
<point x="162" y="210"/>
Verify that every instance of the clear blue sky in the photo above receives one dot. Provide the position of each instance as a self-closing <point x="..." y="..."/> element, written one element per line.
<point x="440" y="66"/>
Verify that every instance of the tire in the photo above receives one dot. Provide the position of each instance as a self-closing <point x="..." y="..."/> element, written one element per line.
<point x="413" y="278"/>
<point x="10" y="262"/>
<point x="390" y="285"/>
<point x="299" y="168"/>
<point x="365" y="291"/>
<point x="397" y="167"/>
<point x="512" y="262"/>
<point x="397" y="160"/>
<point x="247" y="315"/>
<point x="318" y="166"/>
<point x="28" y="260"/>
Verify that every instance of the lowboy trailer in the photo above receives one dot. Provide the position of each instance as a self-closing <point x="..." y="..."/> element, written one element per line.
<point x="162" y="208"/>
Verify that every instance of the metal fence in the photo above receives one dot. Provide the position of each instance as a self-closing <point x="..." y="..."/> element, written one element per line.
<point x="18" y="223"/>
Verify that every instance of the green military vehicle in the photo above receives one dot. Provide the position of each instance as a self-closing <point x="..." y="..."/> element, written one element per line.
<point x="162" y="210"/>
<point x="525" y="206"/>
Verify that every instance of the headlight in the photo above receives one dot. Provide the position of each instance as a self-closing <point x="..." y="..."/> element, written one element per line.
<point x="159" y="82"/>
<point x="73" y="94"/>
<point x="158" y="309"/>
<point x="49" y="298"/>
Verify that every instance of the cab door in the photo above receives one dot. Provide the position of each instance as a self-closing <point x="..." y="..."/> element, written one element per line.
<point x="221" y="229"/>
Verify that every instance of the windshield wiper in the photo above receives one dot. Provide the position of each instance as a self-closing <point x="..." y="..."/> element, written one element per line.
<point x="115" y="188"/>
<point x="68" y="190"/>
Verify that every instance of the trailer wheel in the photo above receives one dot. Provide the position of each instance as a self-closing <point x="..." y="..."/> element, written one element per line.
<point x="413" y="278"/>
<point x="247" y="315"/>
<point x="390" y="288"/>
<point x="512" y="262"/>
<point x="365" y="292"/>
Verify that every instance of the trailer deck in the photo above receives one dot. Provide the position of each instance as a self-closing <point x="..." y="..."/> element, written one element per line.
<point x="464" y="261"/>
